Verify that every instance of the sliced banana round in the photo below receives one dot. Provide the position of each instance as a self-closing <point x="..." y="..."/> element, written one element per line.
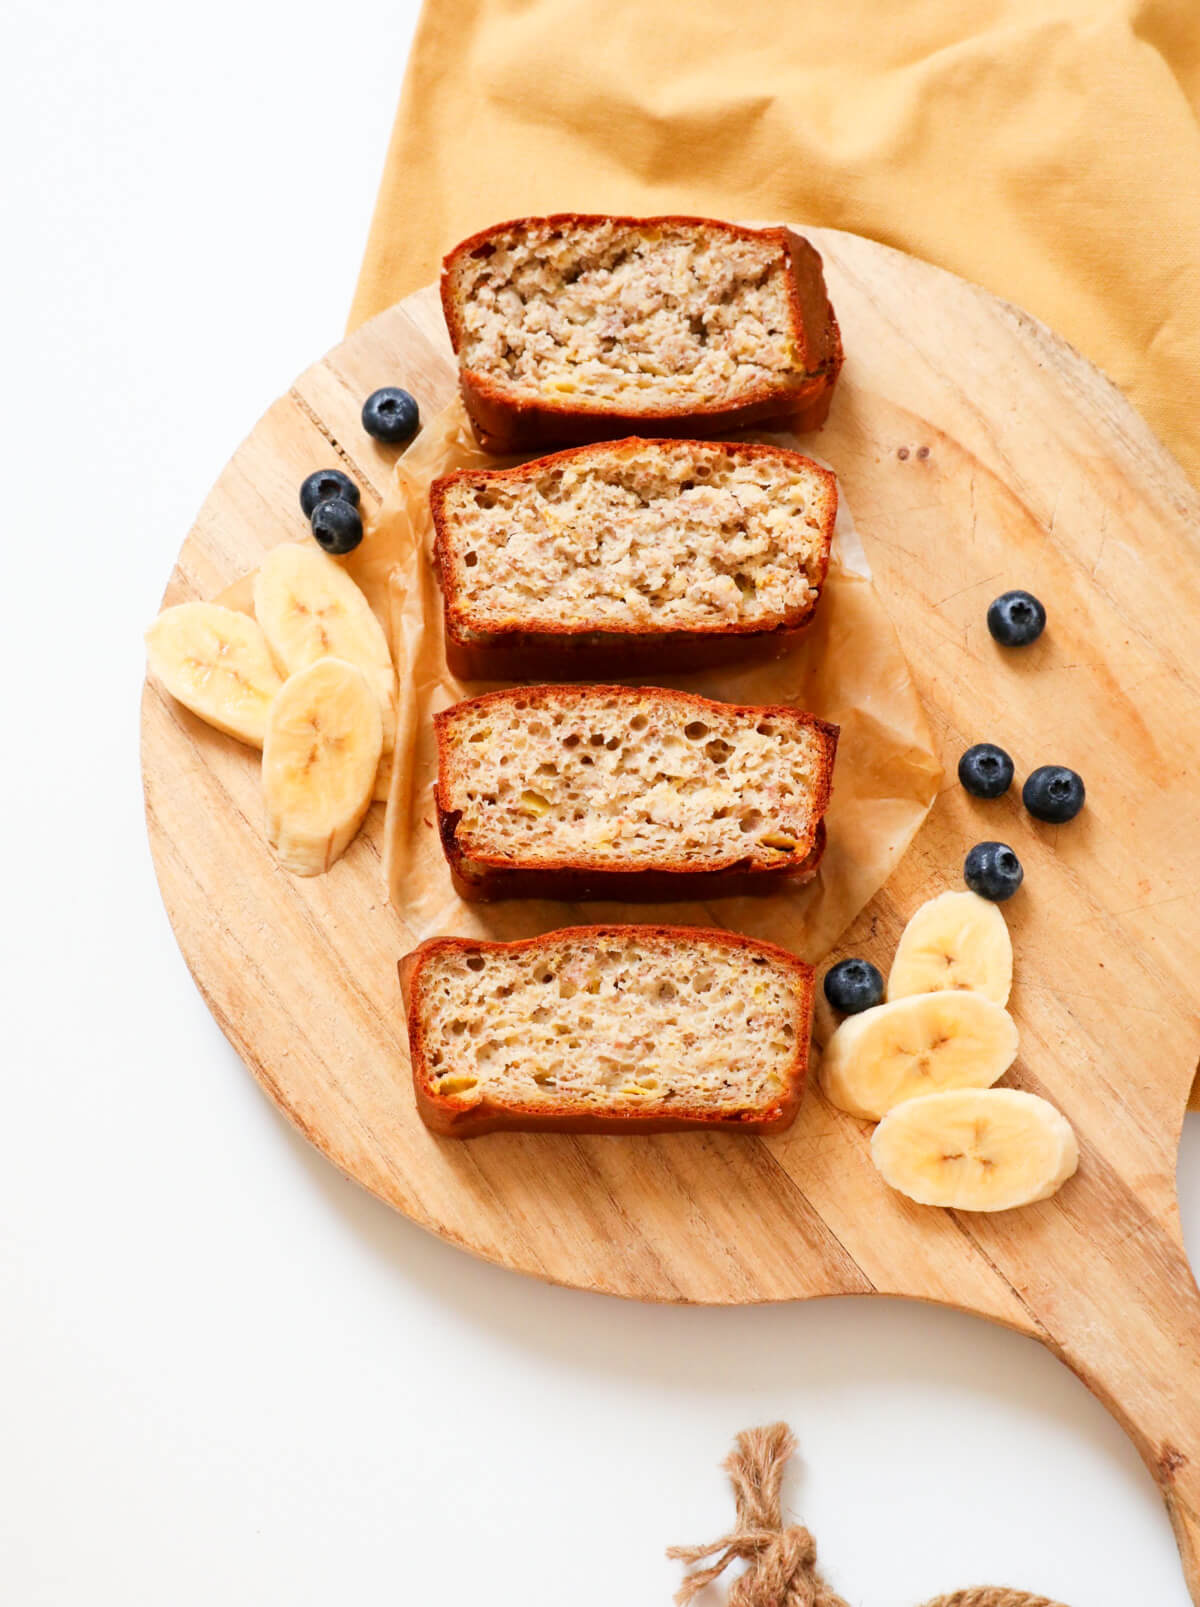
<point x="218" y="663"/>
<point x="915" y="1046"/>
<point x="976" y="1149"/>
<point x="323" y="743"/>
<point x="310" y="609"/>
<point x="955" y="941"/>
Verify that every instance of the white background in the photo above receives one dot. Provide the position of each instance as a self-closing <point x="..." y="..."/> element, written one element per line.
<point x="226" y="1375"/>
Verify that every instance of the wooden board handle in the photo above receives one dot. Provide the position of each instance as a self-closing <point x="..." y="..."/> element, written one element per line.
<point x="1137" y="1348"/>
<point x="1187" y="1537"/>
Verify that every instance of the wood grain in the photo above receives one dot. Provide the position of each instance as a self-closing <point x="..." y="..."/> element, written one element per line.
<point x="977" y="452"/>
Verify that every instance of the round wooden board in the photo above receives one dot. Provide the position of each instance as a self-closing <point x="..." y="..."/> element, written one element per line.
<point x="977" y="452"/>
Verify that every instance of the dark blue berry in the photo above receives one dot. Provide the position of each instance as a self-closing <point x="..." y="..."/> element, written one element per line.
<point x="390" y="415"/>
<point x="985" y="770"/>
<point x="322" y="485"/>
<point x="1053" y="793"/>
<point x="853" y="985"/>
<point x="1016" y="618"/>
<point x="337" y="525"/>
<point x="993" y="871"/>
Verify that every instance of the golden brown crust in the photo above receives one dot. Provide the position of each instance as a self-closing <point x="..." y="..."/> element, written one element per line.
<point x="557" y="651"/>
<point x="454" y="1118"/>
<point x="491" y="884"/>
<point x="538" y="656"/>
<point x="504" y="424"/>
<point x="483" y="879"/>
<point x="812" y="308"/>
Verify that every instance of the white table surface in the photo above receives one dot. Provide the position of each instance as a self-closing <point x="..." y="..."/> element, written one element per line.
<point x="227" y="1375"/>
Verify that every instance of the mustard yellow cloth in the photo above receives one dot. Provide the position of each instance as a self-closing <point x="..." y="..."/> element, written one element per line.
<point x="1047" y="149"/>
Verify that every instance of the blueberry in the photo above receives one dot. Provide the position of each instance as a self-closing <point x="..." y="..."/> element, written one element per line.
<point x="993" y="871"/>
<point x="337" y="525"/>
<point x="985" y="770"/>
<point x="390" y="415"/>
<point x="1053" y="793"/>
<point x="1016" y="618"/>
<point x="322" y="485"/>
<point x="853" y="985"/>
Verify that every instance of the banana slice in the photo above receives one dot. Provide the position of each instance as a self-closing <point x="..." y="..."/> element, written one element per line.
<point x="218" y="663"/>
<point x="324" y="739"/>
<point x="310" y="609"/>
<point x="957" y="940"/>
<point x="914" y="1046"/>
<point x="976" y="1149"/>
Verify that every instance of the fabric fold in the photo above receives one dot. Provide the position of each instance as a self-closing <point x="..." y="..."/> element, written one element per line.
<point x="1046" y="149"/>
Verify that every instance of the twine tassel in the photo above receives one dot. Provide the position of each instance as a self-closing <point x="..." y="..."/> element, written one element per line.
<point x="782" y="1561"/>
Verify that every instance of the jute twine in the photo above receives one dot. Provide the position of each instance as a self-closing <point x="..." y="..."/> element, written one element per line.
<point x="782" y="1559"/>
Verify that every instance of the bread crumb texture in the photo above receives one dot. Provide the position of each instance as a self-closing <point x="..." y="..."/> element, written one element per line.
<point x="621" y="1023"/>
<point x="652" y="535"/>
<point x="631" y="778"/>
<point x="591" y="314"/>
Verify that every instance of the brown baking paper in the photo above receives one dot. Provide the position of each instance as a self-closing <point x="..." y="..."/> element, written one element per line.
<point x="848" y="668"/>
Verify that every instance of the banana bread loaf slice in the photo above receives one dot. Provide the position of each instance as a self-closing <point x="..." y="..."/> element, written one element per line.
<point x="580" y="327"/>
<point x="628" y="793"/>
<point x="630" y="557"/>
<point x="607" y="1029"/>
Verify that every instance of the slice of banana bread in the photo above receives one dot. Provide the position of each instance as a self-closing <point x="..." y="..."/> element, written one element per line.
<point x="629" y="557"/>
<point x="607" y="1029"/>
<point x="579" y="328"/>
<point x="628" y="792"/>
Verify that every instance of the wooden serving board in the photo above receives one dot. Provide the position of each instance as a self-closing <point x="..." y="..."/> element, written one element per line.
<point x="977" y="452"/>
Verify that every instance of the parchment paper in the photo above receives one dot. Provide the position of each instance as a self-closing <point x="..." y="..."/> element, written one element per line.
<point x="848" y="668"/>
